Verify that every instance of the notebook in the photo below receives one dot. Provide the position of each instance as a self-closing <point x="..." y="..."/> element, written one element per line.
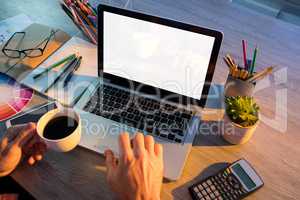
<point x="83" y="77"/>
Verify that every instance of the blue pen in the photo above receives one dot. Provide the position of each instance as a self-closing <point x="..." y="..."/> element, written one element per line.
<point x="69" y="76"/>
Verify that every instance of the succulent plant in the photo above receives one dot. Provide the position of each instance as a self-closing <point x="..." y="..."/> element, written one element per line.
<point x="242" y="110"/>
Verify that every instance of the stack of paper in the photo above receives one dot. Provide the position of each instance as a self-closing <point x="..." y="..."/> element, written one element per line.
<point x="13" y="24"/>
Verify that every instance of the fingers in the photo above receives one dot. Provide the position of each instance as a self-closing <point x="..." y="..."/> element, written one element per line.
<point x="31" y="160"/>
<point x="124" y="146"/>
<point x="3" y="144"/>
<point x="138" y="144"/>
<point x="25" y="135"/>
<point x="149" y="144"/>
<point x="38" y="150"/>
<point x="110" y="160"/>
<point x="13" y="131"/>
<point x="158" y="149"/>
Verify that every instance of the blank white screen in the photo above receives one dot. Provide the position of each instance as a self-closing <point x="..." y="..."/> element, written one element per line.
<point x="164" y="57"/>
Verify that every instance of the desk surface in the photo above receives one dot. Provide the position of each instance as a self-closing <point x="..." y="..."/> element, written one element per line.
<point x="274" y="150"/>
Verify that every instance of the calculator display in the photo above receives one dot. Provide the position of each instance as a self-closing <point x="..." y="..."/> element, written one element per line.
<point x="243" y="176"/>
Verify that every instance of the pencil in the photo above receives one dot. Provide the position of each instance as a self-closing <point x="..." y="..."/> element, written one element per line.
<point x="230" y="59"/>
<point x="90" y="24"/>
<point x="227" y="62"/>
<point x="91" y="8"/>
<point x="245" y="53"/>
<point x="84" y="8"/>
<point x="85" y="29"/>
<point x="245" y="74"/>
<point x="261" y="74"/>
<point x="253" y="60"/>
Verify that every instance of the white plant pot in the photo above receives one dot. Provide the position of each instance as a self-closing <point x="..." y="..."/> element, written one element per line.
<point x="235" y="133"/>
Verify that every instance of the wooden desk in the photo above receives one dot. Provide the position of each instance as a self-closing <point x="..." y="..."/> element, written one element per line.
<point x="80" y="174"/>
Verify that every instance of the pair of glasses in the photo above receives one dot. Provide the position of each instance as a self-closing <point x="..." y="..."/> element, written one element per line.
<point x="18" y="37"/>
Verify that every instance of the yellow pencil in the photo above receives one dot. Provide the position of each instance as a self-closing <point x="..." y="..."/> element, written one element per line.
<point x="261" y="74"/>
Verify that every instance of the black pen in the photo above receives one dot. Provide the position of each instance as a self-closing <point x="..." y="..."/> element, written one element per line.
<point x="69" y="76"/>
<point x="65" y="69"/>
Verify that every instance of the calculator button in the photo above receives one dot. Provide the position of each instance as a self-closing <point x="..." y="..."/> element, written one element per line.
<point x="213" y="187"/>
<point x="217" y="193"/>
<point x="212" y="195"/>
<point x="209" y="182"/>
<point x="200" y="187"/>
<point x="207" y="198"/>
<point x="204" y="192"/>
<point x="200" y="195"/>
<point x="236" y="186"/>
<point x="205" y="185"/>
<point x="196" y="189"/>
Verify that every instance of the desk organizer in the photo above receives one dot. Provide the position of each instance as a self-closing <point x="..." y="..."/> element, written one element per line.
<point x="237" y="87"/>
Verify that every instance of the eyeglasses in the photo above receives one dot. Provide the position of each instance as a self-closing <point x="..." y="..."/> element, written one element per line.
<point x="30" y="52"/>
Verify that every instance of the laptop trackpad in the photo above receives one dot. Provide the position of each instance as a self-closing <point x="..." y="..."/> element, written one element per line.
<point x="99" y="134"/>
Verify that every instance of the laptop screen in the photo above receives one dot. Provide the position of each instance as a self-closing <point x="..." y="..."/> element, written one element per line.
<point x="164" y="57"/>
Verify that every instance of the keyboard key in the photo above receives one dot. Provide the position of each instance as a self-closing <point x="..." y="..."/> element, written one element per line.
<point x="137" y="118"/>
<point x="139" y="112"/>
<point x="130" y="122"/>
<point x="171" y="136"/>
<point x="171" y="117"/>
<point x="178" y="140"/>
<point x="130" y="115"/>
<point x="116" y="118"/>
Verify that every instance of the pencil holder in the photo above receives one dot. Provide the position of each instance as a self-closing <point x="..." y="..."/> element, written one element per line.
<point x="237" y="87"/>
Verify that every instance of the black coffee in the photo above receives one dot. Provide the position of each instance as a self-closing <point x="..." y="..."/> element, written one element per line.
<point x="60" y="127"/>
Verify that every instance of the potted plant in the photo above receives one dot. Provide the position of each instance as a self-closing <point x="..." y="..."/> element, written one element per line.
<point x="240" y="119"/>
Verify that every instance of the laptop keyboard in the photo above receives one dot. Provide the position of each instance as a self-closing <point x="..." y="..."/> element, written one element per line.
<point x="161" y="120"/>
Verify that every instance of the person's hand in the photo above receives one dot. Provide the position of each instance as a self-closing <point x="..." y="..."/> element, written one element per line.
<point x="138" y="173"/>
<point x="18" y="142"/>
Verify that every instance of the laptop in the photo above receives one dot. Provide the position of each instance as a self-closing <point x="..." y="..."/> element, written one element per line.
<point x="154" y="74"/>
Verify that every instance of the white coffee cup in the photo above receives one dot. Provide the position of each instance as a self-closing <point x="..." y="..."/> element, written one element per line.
<point x="64" y="144"/>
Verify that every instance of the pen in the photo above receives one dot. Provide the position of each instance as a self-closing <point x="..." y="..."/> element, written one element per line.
<point x="64" y="70"/>
<point x="69" y="76"/>
<point x="54" y="65"/>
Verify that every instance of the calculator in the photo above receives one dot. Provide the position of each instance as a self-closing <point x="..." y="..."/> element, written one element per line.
<point x="232" y="183"/>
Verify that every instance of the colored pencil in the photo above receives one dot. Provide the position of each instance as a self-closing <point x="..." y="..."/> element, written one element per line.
<point x="253" y="60"/>
<point x="93" y="20"/>
<point x="91" y="8"/>
<point x="85" y="29"/>
<point x="90" y="24"/>
<point x="245" y="53"/>
<point x="84" y="8"/>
